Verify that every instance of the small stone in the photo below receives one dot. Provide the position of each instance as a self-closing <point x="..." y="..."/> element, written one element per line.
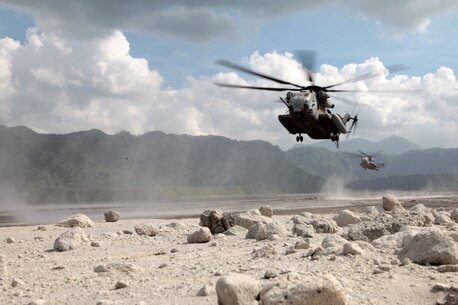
<point x="127" y="232"/>
<point x="95" y="244"/>
<point x="305" y="244"/>
<point x="58" y="268"/>
<point x="77" y="220"/>
<point x="440" y="287"/>
<point x="37" y="302"/>
<point x="447" y="268"/>
<point x="270" y="274"/>
<point x="352" y="248"/>
<point x="266" y="211"/>
<point x="173" y="250"/>
<point x="163" y="265"/>
<point x="101" y="268"/>
<point x="213" y="244"/>
<point x="10" y="240"/>
<point x="202" y="235"/>
<point x="120" y="285"/>
<point x="41" y="228"/>
<point x="405" y="261"/>
<point x="290" y="250"/>
<point x="147" y="229"/>
<point x="112" y="216"/>
<point x="17" y="282"/>
<point x="205" y="290"/>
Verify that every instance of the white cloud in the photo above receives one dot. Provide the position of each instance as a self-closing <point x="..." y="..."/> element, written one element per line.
<point x="205" y="20"/>
<point x="98" y="84"/>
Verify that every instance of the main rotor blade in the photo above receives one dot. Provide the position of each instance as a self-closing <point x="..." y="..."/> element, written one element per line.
<point x="348" y="101"/>
<point x="246" y="70"/>
<point x="307" y="59"/>
<point x="391" y="69"/>
<point x="257" y="88"/>
<point x="410" y="91"/>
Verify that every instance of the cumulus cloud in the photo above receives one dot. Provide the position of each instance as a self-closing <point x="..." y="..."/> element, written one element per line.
<point x="53" y="84"/>
<point x="206" y="20"/>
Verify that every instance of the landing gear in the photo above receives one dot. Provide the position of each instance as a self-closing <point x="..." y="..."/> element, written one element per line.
<point x="335" y="139"/>
<point x="299" y="138"/>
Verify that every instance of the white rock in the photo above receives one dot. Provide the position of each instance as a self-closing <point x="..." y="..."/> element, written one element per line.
<point x="237" y="289"/>
<point x="37" y="302"/>
<point x="332" y="241"/>
<point x="390" y="202"/>
<point x="442" y="219"/>
<point x="146" y="229"/>
<point x="299" y="289"/>
<point x="303" y="229"/>
<point x="262" y="230"/>
<point x="236" y="231"/>
<point x="266" y="211"/>
<point x="267" y="251"/>
<point x="323" y="225"/>
<point x="304" y="244"/>
<point x="432" y="246"/>
<point x="10" y="240"/>
<point x="77" y="220"/>
<point x="71" y="239"/>
<point x="454" y="215"/>
<point x="352" y="248"/>
<point x="202" y="235"/>
<point x="250" y="218"/>
<point x="346" y="217"/>
<point x="205" y="290"/>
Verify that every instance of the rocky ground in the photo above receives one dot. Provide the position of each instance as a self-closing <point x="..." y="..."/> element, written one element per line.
<point x="385" y="254"/>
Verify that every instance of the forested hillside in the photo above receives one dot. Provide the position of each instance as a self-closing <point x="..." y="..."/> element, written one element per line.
<point x="93" y="166"/>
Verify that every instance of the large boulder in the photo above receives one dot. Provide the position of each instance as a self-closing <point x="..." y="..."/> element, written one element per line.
<point x="431" y="247"/>
<point x="388" y="223"/>
<point x="77" y="220"/>
<point x="390" y="203"/>
<point x="298" y="289"/>
<point x="263" y="230"/>
<point x="202" y="235"/>
<point x="71" y="239"/>
<point x="346" y="217"/>
<point x="216" y="221"/>
<point x="250" y="218"/>
<point x="237" y="289"/>
<point x="423" y="212"/>
<point x="396" y="240"/>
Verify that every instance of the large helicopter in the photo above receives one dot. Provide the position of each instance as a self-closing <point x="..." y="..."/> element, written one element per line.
<point x="309" y="106"/>
<point x="367" y="160"/>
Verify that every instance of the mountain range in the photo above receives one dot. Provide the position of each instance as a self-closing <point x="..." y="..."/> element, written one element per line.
<point x="93" y="166"/>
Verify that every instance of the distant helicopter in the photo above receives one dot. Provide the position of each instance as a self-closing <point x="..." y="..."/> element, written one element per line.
<point x="308" y="106"/>
<point x="367" y="160"/>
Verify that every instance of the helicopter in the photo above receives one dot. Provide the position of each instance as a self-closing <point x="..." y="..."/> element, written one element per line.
<point x="367" y="160"/>
<point x="309" y="106"/>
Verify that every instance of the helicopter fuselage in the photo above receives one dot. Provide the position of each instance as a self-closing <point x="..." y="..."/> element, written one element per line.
<point x="309" y="114"/>
<point x="369" y="163"/>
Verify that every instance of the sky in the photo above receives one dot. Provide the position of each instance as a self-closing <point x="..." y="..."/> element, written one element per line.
<point x="145" y="65"/>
